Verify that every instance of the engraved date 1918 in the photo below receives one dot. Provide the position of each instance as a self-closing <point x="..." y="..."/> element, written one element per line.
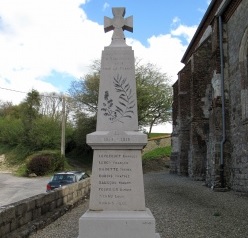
<point x="111" y="139"/>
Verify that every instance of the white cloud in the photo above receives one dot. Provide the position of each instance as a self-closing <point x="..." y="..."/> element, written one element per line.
<point x="185" y="31"/>
<point x="105" y="6"/>
<point x="165" y="51"/>
<point x="175" y="21"/>
<point x="162" y="128"/>
<point x="38" y="37"/>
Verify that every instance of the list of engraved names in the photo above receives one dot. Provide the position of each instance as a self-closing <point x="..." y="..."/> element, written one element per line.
<point x="115" y="177"/>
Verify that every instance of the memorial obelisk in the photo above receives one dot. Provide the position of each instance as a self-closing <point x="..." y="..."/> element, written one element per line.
<point x="117" y="201"/>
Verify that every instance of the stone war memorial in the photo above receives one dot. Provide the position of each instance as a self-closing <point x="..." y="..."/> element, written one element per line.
<point x="117" y="200"/>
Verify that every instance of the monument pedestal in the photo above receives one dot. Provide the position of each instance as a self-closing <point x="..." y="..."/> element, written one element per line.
<point x="117" y="201"/>
<point x="117" y="224"/>
<point x="117" y="176"/>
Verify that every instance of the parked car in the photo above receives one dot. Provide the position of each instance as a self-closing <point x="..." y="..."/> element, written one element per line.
<point x="64" y="178"/>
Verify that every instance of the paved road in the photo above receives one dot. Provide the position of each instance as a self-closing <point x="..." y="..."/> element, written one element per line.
<point x="13" y="189"/>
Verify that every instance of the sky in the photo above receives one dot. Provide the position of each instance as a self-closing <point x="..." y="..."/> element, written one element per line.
<point x="47" y="44"/>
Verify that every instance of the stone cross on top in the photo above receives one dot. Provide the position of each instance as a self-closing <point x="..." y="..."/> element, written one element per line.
<point x="118" y="24"/>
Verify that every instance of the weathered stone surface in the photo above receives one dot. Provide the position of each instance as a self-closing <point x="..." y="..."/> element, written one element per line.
<point x="117" y="98"/>
<point x="117" y="200"/>
<point x="211" y="122"/>
<point x="119" y="184"/>
<point x="119" y="224"/>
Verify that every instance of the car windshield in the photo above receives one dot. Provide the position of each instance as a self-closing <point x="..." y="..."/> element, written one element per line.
<point x="63" y="177"/>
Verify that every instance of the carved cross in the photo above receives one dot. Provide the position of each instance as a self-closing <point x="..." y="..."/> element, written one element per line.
<point x="118" y="24"/>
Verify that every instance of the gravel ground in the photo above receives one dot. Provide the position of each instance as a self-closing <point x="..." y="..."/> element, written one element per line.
<point x="182" y="209"/>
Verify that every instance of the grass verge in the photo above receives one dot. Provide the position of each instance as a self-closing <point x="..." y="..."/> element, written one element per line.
<point x="157" y="153"/>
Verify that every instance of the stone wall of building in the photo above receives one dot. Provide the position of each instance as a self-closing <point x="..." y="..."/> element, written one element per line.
<point x="175" y="130"/>
<point x="21" y="218"/>
<point x="237" y="28"/>
<point x="184" y="118"/>
<point x="211" y="128"/>
<point x="200" y="91"/>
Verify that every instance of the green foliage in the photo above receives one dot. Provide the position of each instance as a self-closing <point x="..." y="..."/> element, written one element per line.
<point x="157" y="153"/>
<point x="81" y="156"/>
<point x="22" y="170"/>
<point x="24" y="126"/>
<point x="152" y="135"/>
<point x="85" y="125"/>
<point x="85" y="92"/>
<point x="15" y="154"/>
<point x="154" y="95"/>
<point x="45" y="134"/>
<point x="29" y="113"/>
<point x="11" y="131"/>
<point x="8" y="110"/>
<point x="76" y="144"/>
<point x="25" y="129"/>
<point x="45" y="162"/>
<point x="4" y="148"/>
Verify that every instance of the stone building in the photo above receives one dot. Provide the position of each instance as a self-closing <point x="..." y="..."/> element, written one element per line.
<point x="210" y="107"/>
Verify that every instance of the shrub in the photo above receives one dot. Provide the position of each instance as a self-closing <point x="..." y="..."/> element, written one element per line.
<point x="40" y="165"/>
<point x="45" y="162"/>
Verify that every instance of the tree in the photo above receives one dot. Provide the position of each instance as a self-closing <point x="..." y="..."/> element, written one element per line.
<point x="51" y="105"/>
<point x="85" y="91"/>
<point x="31" y="105"/>
<point x="30" y="111"/>
<point x="154" y="94"/>
<point x="8" y="110"/>
<point x="35" y="124"/>
<point x="84" y="125"/>
<point x="11" y="131"/>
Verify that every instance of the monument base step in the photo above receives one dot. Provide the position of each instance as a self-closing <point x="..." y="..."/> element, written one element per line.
<point x="117" y="224"/>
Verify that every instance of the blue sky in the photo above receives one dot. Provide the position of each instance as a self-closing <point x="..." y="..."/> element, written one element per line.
<point x="45" y="44"/>
<point x="150" y="18"/>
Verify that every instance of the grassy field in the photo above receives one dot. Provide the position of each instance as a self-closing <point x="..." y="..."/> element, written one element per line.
<point x="156" y="160"/>
<point x="157" y="153"/>
<point x="152" y="135"/>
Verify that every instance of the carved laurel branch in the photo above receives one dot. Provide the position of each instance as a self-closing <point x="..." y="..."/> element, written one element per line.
<point x="126" y="103"/>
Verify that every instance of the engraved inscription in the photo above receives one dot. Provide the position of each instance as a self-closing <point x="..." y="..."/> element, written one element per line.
<point x="116" y="139"/>
<point x="114" y="178"/>
<point x="114" y="63"/>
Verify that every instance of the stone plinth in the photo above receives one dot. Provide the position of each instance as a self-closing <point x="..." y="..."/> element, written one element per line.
<point x="118" y="224"/>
